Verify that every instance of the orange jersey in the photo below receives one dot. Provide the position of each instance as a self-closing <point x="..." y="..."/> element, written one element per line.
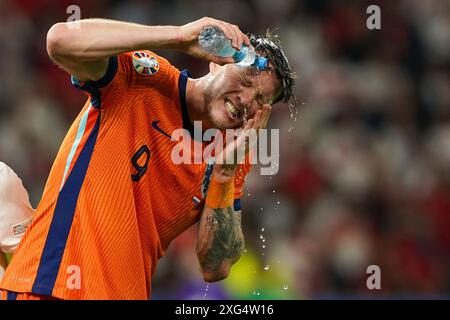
<point x="114" y="200"/>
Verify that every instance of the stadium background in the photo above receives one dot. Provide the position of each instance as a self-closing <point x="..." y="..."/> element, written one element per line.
<point x="365" y="162"/>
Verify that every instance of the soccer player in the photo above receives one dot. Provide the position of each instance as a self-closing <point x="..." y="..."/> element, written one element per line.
<point x="114" y="199"/>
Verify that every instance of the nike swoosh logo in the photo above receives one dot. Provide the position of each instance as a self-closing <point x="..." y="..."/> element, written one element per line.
<point x="157" y="128"/>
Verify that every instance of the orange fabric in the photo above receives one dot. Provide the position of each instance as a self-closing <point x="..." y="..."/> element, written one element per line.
<point x="120" y="227"/>
<point x="24" y="296"/>
<point x="220" y="194"/>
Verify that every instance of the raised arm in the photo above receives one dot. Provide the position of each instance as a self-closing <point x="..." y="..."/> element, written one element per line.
<point x="83" y="48"/>
<point x="220" y="241"/>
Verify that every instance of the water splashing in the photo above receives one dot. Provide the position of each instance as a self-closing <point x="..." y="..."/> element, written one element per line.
<point x="267" y="267"/>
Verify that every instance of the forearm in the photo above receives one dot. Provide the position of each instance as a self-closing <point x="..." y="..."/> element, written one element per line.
<point x="220" y="242"/>
<point x="96" y="39"/>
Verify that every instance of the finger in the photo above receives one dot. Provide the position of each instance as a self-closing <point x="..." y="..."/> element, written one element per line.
<point x="257" y="120"/>
<point x="235" y="35"/>
<point x="266" y="114"/>
<point x="248" y="125"/>
<point x="246" y="40"/>
<point x="229" y="32"/>
<point x="239" y="35"/>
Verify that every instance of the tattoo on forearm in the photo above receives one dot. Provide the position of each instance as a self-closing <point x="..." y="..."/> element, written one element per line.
<point x="227" y="240"/>
<point x="210" y="221"/>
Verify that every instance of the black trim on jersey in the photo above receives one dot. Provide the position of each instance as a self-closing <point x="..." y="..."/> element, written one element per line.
<point x="182" y="84"/>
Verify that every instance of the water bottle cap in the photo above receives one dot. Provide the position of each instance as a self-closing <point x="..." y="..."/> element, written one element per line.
<point x="260" y="62"/>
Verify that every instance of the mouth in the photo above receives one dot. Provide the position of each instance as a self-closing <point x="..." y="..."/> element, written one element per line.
<point x="233" y="111"/>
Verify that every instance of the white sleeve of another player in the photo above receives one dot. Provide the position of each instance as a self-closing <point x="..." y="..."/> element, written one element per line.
<point x="2" y="265"/>
<point x="15" y="209"/>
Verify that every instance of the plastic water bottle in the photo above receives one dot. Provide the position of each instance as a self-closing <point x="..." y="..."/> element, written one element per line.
<point x="213" y="40"/>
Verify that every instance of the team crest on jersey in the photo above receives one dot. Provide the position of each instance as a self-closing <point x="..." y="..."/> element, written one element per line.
<point x="19" y="229"/>
<point x="144" y="63"/>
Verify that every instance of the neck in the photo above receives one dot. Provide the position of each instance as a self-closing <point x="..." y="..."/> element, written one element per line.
<point x="196" y="104"/>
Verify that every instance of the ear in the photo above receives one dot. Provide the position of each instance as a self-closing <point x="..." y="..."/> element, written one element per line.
<point x="214" y="67"/>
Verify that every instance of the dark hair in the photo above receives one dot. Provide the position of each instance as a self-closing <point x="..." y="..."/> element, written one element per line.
<point x="270" y="45"/>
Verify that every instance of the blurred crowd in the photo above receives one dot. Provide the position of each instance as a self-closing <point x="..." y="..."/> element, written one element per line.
<point x="364" y="173"/>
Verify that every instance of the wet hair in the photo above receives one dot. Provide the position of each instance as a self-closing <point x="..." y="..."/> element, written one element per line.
<point x="270" y="47"/>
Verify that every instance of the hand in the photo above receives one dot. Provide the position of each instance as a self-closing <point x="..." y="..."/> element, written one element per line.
<point x="188" y="39"/>
<point x="223" y="172"/>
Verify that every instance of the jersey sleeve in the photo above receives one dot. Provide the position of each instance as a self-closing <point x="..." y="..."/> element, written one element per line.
<point x="239" y="181"/>
<point x="129" y="71"/>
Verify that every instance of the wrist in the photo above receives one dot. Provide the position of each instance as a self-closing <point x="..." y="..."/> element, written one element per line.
<point x="178" y="39"/>
<point x="163" y="37"/>
<point x="224" y="173"/>
<point x="220" y="193"/>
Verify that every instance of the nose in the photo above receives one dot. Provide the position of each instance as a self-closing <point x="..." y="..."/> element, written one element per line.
<point x="247" y="100"/>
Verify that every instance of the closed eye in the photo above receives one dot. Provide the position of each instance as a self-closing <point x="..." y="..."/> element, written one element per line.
<point x="246" y="84"/>
<point x="245" y="81"/>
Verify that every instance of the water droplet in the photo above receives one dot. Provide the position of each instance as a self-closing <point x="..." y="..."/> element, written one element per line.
<point x="262" y="229"/>
<point x="278" y="202"/>
<point x="263" y="240"/>
<point x="249" y="194"/>
<point x="263" y="246"/>
<point x="285" y="287"/>
<point x="267" y="267"/>
<point x="273" y="191"/>
<point x="261" y="236"/>
<point x="257" y="294"/>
